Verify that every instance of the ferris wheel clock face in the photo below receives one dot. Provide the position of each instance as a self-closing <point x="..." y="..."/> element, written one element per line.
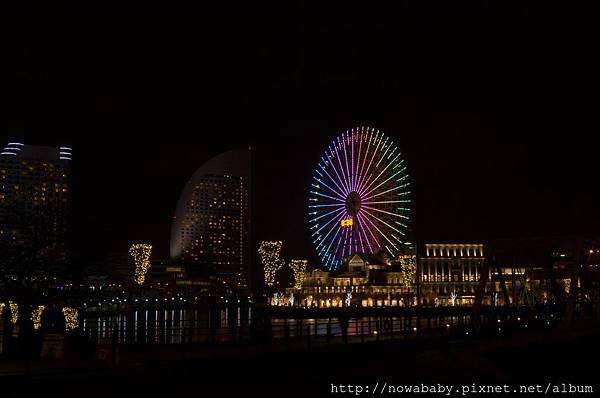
<point x="359" y="198"/>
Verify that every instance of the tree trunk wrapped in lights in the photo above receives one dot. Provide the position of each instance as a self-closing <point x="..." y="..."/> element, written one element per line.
<point x="141" y="257"/>
<point x="299" y="269"/>
<point x="270" y="256"/>
<point x="71" y="318"/>
<point x="36" y="316"/>
<point x="14" y="312"/>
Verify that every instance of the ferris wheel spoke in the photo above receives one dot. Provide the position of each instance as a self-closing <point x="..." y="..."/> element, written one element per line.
<point x="387" y="148"/>
<point x="337" y="248"/>
<point x="386" y="212"/>
<point x="384" y="201"/>
<point x="327" y="205"/>
<point x="362" y="245"/>
<point x="342" y="179"/>
<point x="370" y="231"/>
<point x="327" y="196"/>
<point x="380" y="232"/>
<point x="337" y="218"/>
<point x="365" y="192"/>
<point x="388" y="191"/>
<point x="337" y="231"/>
<point x="355" y="170"/>
<point x="352" y="174"/>
<point x="361" y="175"/>
<point x="398" y="239"/>
<point x="370" y="182"/>
<point x="328" y="222"/>
<point x="362" y="228"/>
<point x="338" y="151"/>
<point x="383" y="222"/>
<point x="326" y="214"/>
<point x="360" y="236"/>
<point x="382" y="211"/>
<point x="321" y="182"/>
<point x="371" y="161"/>
<point x="346" y="233"/>
<point x="332" y="179"/>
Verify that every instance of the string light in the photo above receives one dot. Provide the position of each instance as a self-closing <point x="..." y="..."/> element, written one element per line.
<point x="453" y="298"/>
<point x="568" y="285"/>
<point x="14" y="312"/>
<point x="408" y="268"/>
<point x="277" y="297"/>
<point x="141" y="257"/>
<point x="36" y="316"/>
<point x="292" y="299"/>
<point x="270" y="255"/>
<point x="348" y="299"/>
<point x="299" y="269"/>
<point x="71" y="318"/>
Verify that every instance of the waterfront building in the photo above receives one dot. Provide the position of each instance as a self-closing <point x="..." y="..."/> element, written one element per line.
<point x="519" y="271"/>
<point x="372" y="280"/>
<point x="449" y="273"/>
<point x="211" y="225"/>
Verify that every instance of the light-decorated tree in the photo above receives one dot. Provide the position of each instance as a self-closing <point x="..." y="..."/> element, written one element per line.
<point x="141" y="258"/>
<point x="270" y="257"/>
<point x="299" y="269"/>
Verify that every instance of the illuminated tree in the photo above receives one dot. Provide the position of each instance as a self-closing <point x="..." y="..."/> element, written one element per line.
<point x="270" y="256"/>
<point x="71" y="318"/>
<point x="299" y="269"/>
<point x="292" y="299"/>
<point x="408" y="268"/>
<point x="141" y="257"/>
<point x="14" y="312"/>
<point x="28" y="267"/>
<point x="36" y="316"/>
<point x="568" y="285"/>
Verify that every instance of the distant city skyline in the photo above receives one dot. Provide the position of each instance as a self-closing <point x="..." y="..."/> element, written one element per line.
<point x="480" y="208"/>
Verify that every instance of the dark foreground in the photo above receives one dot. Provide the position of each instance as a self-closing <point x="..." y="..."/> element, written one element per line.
<point x="553" y="357"/>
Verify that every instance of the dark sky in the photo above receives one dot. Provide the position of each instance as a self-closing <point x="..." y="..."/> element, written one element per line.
<point x="494" y="105"/>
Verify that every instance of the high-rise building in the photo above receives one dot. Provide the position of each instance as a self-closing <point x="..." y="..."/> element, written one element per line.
<point x="34" y="192"/>
<point x="211" y="226"/>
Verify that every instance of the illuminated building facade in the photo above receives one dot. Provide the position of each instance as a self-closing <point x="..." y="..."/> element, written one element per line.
<point x="373" y="280"/>
<point x="443" y="275"/>
<point x="524" y="272"/>
<point x="34" y="198"/>
<point x="211" y="226"/>
<point x="449" y="273"/>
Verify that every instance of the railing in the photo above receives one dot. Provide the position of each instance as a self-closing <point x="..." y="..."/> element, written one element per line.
<point x="328" y="329"/>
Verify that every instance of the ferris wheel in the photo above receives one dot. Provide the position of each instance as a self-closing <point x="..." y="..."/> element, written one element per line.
<point x="359" y="198"/>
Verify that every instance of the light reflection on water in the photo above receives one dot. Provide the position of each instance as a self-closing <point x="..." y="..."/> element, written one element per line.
<point x="172" y="326"/>
<point x="166" y="326"/>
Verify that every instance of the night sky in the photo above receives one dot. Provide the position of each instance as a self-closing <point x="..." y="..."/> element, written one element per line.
<point x="494" y="106"/>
